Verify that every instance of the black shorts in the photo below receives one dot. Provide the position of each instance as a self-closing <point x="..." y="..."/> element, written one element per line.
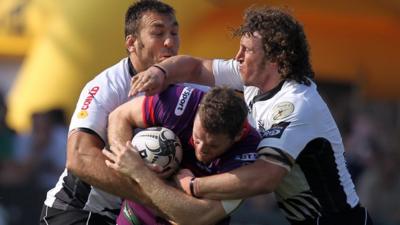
<point x="52" y="216"/>
<point x="356" y="216"/>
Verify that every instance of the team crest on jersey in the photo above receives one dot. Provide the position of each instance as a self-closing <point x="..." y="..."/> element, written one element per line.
<point x="276" y="130"/>
<point x="183" y="101"/>
<point x="282" y="110"/>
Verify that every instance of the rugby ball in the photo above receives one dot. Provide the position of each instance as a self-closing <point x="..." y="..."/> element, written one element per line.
<point x="161" y="146"/>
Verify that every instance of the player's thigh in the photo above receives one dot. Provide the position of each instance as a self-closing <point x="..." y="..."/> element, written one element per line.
<point x="51" y="216"/>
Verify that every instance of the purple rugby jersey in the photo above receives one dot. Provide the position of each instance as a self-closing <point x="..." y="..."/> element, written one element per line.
<point x="175" y="108"/>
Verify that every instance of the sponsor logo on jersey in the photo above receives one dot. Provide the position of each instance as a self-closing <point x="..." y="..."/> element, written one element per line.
<point x="183" y="100"/>
<point x="282" y="110"/>
<point x="275" y="131"/>
<point x="85" y="106"/>
<point x="82" y="114"/>
<point x="246" y="157"/>
<point x="90" y="97"/>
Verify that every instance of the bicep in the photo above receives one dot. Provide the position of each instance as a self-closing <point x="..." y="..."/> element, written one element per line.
<point x="81" y="145"/>
<point x="81" y="139"/>
<point x="261" y="177"/>
<point x="204" y="72"/>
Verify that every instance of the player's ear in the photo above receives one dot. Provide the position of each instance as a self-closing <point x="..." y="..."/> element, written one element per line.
<point x="130" y="43"/>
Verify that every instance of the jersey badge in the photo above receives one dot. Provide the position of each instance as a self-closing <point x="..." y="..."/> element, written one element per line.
<point x="282" y="110"/>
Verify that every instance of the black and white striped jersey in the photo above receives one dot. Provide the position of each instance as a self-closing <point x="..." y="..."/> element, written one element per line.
<point x="97" y="100"/>
<point x="294" y="121"/>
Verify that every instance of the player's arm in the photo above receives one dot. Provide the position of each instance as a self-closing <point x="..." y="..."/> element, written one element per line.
<point x="173" y="203"/>
<point x="86" y="161"/>
<point x="261" y="177"/>
<point x="124" y="119"/>
<point x="175" y="69"/>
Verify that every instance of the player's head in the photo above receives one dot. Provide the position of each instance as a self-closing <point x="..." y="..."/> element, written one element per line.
<point x="272" y="37"/>
<point x="219" y="123"/>
<point x="151" y="33"/>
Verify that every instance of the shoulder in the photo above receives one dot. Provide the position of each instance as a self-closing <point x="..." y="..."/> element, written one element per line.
<point x="221" y="67"/>
<point x="226" y="72"/>
<point x="113" y="81"/>
<point x="117" y="73"/>
<point x="296" y="98"/>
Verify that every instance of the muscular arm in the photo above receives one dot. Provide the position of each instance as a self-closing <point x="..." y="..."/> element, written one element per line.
<point x="85" y="160"/>
<point x="178" y="69"/>
<point x="261" y="177"/>
<point x="178" y="206"/>
<point x="183" y="68"/>
<point x="123" y="120"/>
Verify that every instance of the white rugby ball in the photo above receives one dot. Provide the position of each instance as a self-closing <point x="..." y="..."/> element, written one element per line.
<point x="161" y="146"/>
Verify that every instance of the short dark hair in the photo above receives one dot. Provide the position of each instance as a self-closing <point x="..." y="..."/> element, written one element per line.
<point x="136" y="10"/>
<point x="283" y="39"/>
<point x="222" y="111"/>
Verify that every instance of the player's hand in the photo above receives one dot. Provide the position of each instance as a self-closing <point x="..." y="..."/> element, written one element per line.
<point x="124" y="159"/>
<point x="150" y="81"/>
<point x="183" y="178"/>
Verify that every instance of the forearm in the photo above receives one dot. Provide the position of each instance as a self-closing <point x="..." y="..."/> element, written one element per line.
<point x="184" y="68"/>
<point x="246" y="181"/>
<point x="177" y="206"/>
<point x="86" y="161"/>
<point x="225" y="186"/>
<point x="93" y="170"/>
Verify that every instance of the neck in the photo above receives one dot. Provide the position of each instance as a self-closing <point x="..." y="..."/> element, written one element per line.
<point x="139" y="67"/>
<point x="271" y="82"/>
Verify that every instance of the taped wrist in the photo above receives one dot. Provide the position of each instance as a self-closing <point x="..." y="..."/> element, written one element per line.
<point x="192" y="187"/>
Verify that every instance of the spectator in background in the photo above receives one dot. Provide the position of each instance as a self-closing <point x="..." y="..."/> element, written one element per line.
<point x="7" y="136"/>
<point x="39" y="155"/>
<point x="34" y="167"/>
<point x="360" y="142"/>
<point x="6" y="133"/>
<point x="380" y="184"/>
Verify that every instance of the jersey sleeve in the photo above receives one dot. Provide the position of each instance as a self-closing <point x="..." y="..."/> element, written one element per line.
<point x="95" y="103"/>
<point x="226" y="73"/>
<point x="291" y="133"/>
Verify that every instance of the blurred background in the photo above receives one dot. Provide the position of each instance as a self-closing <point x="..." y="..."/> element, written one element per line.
<point x="50" y="49"/>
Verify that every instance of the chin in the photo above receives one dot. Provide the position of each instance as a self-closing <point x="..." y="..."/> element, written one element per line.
<point x="201" y="159"/>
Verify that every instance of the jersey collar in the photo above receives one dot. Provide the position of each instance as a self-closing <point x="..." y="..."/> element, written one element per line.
<point x="267" y="95"/>
<point x="132" y="70"/>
